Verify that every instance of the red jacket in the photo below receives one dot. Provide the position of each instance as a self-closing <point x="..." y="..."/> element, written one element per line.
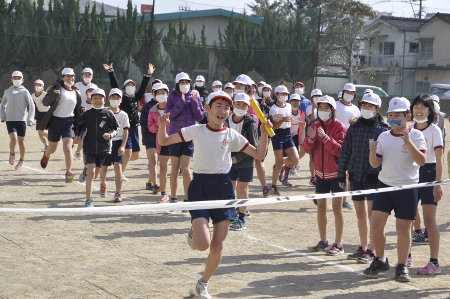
<point x="152" y="123"/>
<point x="327" y="149"/>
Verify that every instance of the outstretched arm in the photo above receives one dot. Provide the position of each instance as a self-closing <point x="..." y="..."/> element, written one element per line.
<point x="163" y="138"/>
<point x="259" y="152"/>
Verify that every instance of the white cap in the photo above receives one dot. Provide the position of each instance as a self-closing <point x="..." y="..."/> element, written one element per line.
<point x="340" y="95"/>
<point x="435" y="98"/>
<point x="368" y="90"/>
<point x="437" y="108"/>
<point x="316" y="92"/>
<point x="328" y="100"/>
<point x="295" y="96"/>
<point x="262" y="83"/>
<point x="200" y="78"/>
<point x="243" y="79"/>
<point x="242" y="97"/>
<point x="99" y="91"/>
<point x="350" y="87"/>
<point x="182" y="76"/>
<point x="229" y="85"/>
<point x="398" y="105"/>
<point x="160" y="86"/>
<point x="67" y="71"/>
<point x="281" y="89"/>
<point x="216" y="83"/>
<point x="371" y="98"/>
<point x="88" y="70"/>
<point x="267" y="86"/>
<point x="39" y="81"/>
<point x="114" y="91"/>
<point x="220" y="94"/>
<point x="17" y="74"/>
<point x="128" y="81"/>
<point x="91" y="86"/>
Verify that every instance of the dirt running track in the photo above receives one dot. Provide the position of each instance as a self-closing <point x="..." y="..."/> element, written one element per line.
<point x="147" y="256"/>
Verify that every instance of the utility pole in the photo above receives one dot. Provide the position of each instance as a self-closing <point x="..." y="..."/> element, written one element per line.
<point x="316" y="60"/>
<point x="152" y="21"/>
<point x="420" y="10"/>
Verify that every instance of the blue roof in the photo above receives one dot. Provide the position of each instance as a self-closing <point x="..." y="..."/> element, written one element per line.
<point x="200" y="14"/>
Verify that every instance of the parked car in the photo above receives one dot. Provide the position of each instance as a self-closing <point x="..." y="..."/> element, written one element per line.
<point x="441" y="90"/>
<point x="377" y="90"/>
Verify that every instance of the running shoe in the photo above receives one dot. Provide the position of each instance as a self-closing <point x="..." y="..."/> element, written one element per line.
<point x="409" y="261"/>
<point x="321" y="246"/>
<point x="19" y="165"/>
<point x="336" y="249"/>
<point x="347" y="206"/>
<point x="429" y="269"/>
<point x="267" y="191"/>
<point x="78" y="155"/>
<point x="103" y="191"/>
<point x="117" y="197"/>
<point x="12" y="158"/>
<point x="376" y="266"/>
<point x="69" y="177"/>
<point x="280" y="177"/>
<point x="190" y="239"/>
<point x="156" y="189"/>
<point x="419" y="239"/>
<point x="247" y="214"/>
<point x="173" y="200"/>
<point x="89" y="203"/>
<point x="275" y="190"/>
<point x="164" y="198"/>
<point x="357" y="254"/>
<point x="124" y="178"/>
<point x="201" y="290"/>
<point x="237" y="225"/>
<point x="148" y="186"/>
<point x="286" y="183"/>
<point x="44" y="161"/>
<point x="44" y="149"/>
<point x="312" y="181"/>
<point x="83" y="175"/>
<point x="367" y="257"/>
<point x="402" y="273"/>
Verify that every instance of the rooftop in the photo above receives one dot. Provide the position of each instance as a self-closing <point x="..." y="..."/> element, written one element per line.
<point x="401" y="24"/>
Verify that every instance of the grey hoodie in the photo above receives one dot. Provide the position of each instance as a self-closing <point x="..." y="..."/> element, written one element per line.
<point x="14" y="104"/>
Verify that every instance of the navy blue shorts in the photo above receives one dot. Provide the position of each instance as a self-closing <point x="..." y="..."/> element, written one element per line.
<point x="98" y="160"/>
<point x="327" y="186"/>
<point x="60" y="127"/>
<point x="205" y="187"/>
<point x="362" y="186"/>
<point x="241" y="174"/>
<point x="114" y="156"/>
<point x="18" y="127"/>
<point x="427" y="173"/>
<point x="181" y="149"/>
<point x="145" y="137"/>
<point x="133" y="139"/>
<point x="295" y="139"/>
<point x="403" y="202"/>
<point x="282" y="139"/>
<point x="150" y="140"/>
<point x="164" y="151"/>
<point x="38" y="117"/>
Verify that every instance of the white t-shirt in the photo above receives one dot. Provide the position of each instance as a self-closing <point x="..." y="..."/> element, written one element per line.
<point x="213" y="148"/>
<point x="82" y="88"/>
<point x="124" y="124"/>
<point x="66" y="104"/>
<point x="161" y="111"/>
<point x="398" y="167"/>
<point x="433" y="138"/>
<point x="308" y="112"/>
<point x="284" y="110"/>
<point x="345" y="112"/>
<point x="148" y="97"/>
<point x="294" y="128"/>
<point x="237" y="126"/>
<point x="38" y="101"/>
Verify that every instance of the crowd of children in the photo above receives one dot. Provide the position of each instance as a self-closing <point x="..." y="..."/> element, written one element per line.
<point x="349" y="145"/>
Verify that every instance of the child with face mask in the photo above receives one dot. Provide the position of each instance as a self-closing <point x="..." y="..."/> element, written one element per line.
<point x="354" y="160"/>
<point x="216" y="86"/>
<point x="87" y="75"/>
<point x="40" y="110"/>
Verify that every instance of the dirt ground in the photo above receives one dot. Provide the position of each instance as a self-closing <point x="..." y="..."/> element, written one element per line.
<point x="147" y="256"/>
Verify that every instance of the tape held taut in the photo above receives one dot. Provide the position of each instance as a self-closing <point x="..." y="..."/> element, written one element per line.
<point x="210" y="204"/>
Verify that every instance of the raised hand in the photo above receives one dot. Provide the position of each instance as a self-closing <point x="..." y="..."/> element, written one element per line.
<point x="164" y="120"/>
<point x="312" y="133"/>
<point x="151" y="69"/>
<point x="108" y="67"/>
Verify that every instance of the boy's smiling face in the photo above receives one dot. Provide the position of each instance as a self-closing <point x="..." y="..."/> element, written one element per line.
<point x="98" y="100"/>
<point x="218" y="111"/>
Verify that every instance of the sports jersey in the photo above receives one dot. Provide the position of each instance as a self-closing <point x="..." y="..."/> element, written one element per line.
<point x="344" y="112"/>
<point x="433" y="138"/>
<point x="398" y="167"/>
<point x="124" y="124"/>
<point x="237" y="126"/>
<point x="38" y="102"/>
<point x="213" y="147"/>
<point x="284" y="110"/>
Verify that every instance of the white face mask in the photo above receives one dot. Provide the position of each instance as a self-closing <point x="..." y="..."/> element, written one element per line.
<point x="17" y="83"/>
<point x="161" y="98"/>
<point x="184" y="88"/>
<point x="347" y="97"/>
<point x="236" y="91"/>
<point x="38" y="88"/>
<point x="283" y="98"/>
<point x="130" y="90"/>
<point x="114" y="103"/>
<point x="230" y="94"/>
<point x="420" y="121"/>
<point x="266" y="94"/>
<point x="299" y="91"/>
<point x="239" y="112"/>
<point x="324" y="115"/>
<point x="260" y="88"/>
<point x="87" y="80"/>
<point x="217" y="89"/>
<point x="68" y="84"/>
<point x="199" y="84"/>
<point x="367" y="114"/>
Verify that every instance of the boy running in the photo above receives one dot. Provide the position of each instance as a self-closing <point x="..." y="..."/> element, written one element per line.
<point x="40" y="110"/>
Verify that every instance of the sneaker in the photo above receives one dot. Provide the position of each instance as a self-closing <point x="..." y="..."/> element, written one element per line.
<point x="336" y="249"/>
<point x="12" y="158"/>
<point x="44" y="149"/>
<point x="44" y="161"/>
<point x="367" y="257"/>
<point x="409" y="261"/>
<point x="19" y="165"/>
<point x="376" y="266"/>
<point x="78" y="155"/>
<point x="156" y="189"/>
<point x="237" y="225"/>
<point x="321" y="246"/>
<point x="89" y="203"/>
<point x="357" y="254"/>
<point x="201" y="290"/>
<point x="124" y="178"/>
<point x="247" y="214"/>
<point x="117" y="197"/>
<point x="275" y="190"/>
<point x="419" y="239"/>
<point x="173" y="200"/>
<point x="163" y="199"/>
<point x="103" y="191"/>
<point x="429" y="269"/>
<point x="347" y="206"/>
<point x="287" y="183"/>
<point x="402" y="273"/>
<point x="190" y="239"/>
<point x="280" y="177"/>
<point x="312" y="181"/>
<point x="83" y="175"/>
<point x="69" y="177"/>
<point x="267" y="191"/>
<point x="148" y="186"/>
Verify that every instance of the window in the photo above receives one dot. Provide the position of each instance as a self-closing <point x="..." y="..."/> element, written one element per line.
<point x="426" y="49"/>
<point x="389" y="48"/>
<point x="413" y="47"/>
<point x="422" y="87"/>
